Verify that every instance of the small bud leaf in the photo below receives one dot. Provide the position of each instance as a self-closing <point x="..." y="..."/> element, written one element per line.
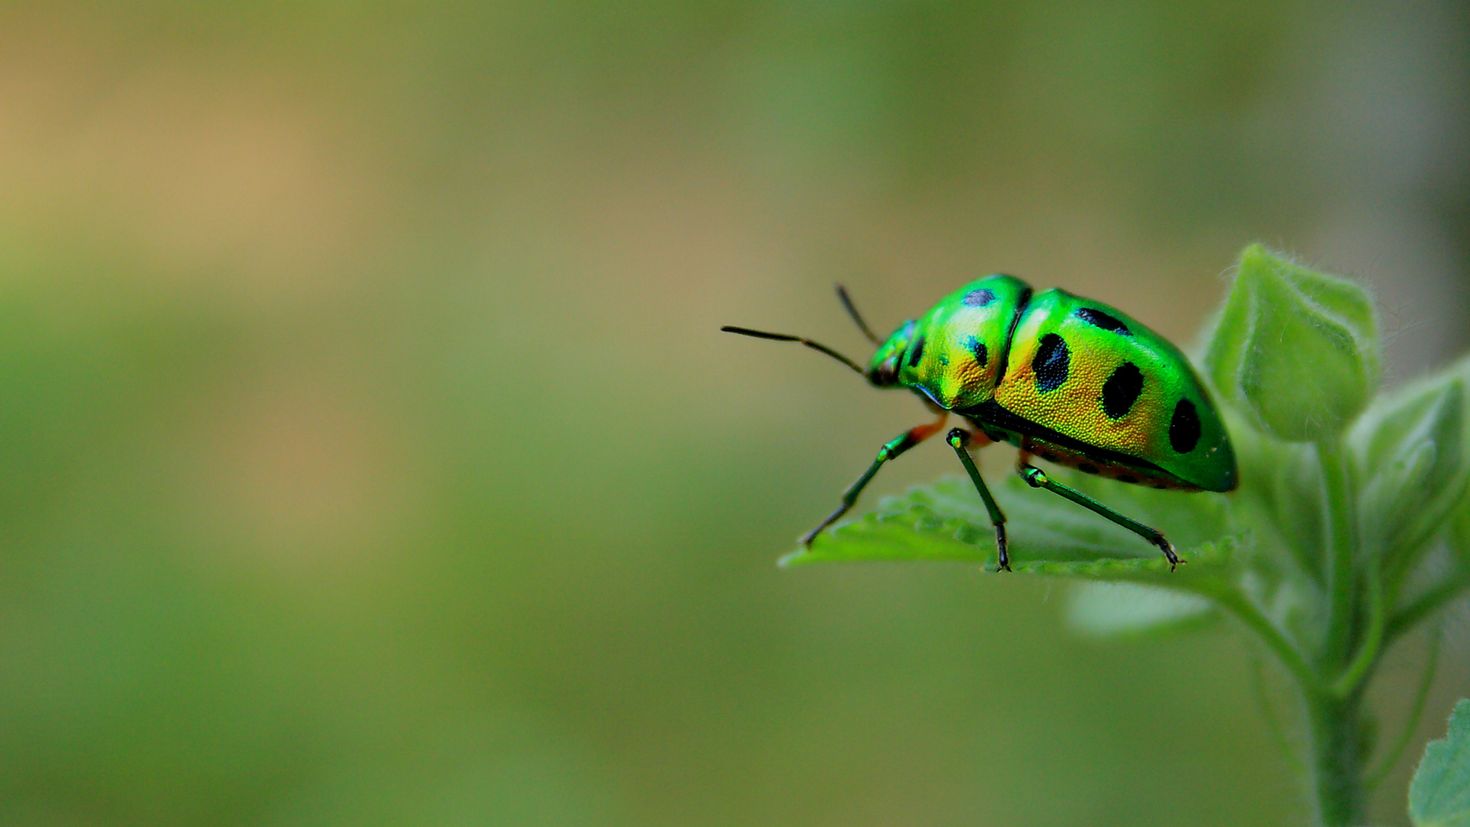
<point x="1414" y="452"/>
<point x="1295" y="349"/>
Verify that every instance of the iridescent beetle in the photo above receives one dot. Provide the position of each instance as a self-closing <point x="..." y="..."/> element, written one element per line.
<point x="1063" y="378"/>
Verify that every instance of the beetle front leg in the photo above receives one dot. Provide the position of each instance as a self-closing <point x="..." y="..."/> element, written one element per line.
<point x="892" y="448"/>
<point x="1037" y="478"/>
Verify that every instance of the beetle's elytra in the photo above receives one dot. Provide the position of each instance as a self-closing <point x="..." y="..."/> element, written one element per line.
<point x="1063" y="378"/>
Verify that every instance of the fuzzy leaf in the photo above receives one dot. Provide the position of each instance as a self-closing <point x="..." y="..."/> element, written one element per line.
<point x="1131" y="610"/>
<point x="1414" y="453"/>
<point x="1459" y="528"/>
<point x="1295" y="349"/>
<point x="1048" y="535"/>
<point x="1460" y="533"/>
<point x="1439" y="795"/>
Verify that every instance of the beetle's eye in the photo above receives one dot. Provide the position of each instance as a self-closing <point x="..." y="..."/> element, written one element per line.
<point x="888" y="371"/>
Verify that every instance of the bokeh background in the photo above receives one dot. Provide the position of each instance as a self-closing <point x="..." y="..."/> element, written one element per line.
<point x="371" y="456"/>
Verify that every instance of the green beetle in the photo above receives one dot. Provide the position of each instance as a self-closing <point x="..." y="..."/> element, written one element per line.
<point x="1063" y="378"/>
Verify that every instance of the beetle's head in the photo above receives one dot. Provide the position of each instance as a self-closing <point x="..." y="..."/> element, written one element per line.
<point x="883" y="369"/>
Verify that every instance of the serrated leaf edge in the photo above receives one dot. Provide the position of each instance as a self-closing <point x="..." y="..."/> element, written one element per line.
<point x="1456" y="741"/>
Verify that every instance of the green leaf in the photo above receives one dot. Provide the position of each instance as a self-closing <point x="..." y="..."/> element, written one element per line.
<point x="1047" y="534"/>
<point x="1414" y="454"/>
<point x="1295" y="349"/>
<point x="1460" y="534"/>
<point x="1439" y="795"/>
<point x="1132" y="610"/>
<point x="1459" y="528"/>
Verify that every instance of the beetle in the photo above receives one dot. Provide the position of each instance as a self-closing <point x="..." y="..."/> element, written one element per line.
<point x="1063" y="378"/>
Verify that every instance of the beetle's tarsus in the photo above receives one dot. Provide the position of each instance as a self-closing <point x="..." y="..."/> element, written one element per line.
<point x="1168" y="549"/>
<point x="1003" y="560"/>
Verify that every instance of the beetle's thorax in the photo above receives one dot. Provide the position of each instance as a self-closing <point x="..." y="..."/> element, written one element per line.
<point x="955" y="354"/>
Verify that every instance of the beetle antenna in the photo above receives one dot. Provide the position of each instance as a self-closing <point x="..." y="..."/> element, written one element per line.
<point x="856" y="316"/>
<point x="782" y="337"/>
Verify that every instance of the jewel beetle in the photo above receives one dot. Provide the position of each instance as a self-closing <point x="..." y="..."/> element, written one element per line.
<point x="1063" y="378"/>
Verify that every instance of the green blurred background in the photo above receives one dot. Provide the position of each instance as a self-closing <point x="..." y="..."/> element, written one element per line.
<point x="371" y="456"/>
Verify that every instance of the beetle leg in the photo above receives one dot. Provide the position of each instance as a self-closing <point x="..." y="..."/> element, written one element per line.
<point x="959" y="440"/>
<point x="890" y="449"/>
<point x="1037" y="478"/>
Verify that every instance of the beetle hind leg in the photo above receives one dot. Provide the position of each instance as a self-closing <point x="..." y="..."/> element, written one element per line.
<point x="1037" y="478"/>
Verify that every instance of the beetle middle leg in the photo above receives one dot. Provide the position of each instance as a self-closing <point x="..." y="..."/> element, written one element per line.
<point x="1037" y="478"/>
<point x="959" y="440"/>
<point x="892" y="448"/>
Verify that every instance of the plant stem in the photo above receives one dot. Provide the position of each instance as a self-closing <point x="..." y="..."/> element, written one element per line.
<point x="1334" y="703"/>
<point x="1341" y="538"/>
<point x="1406" y="733"/>
<point x="1336" y="733"/>
<point x="1427" y="604"/>
<point x="1273" y="723"/>
<point x="1367" y="655"/>
<point x="1285" y="652"/>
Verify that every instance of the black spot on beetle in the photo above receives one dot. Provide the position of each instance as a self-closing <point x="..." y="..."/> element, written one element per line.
<point x="1087" y="468"/>
<point x="1051" y="363"/>
<point x="1184" y="427"/>
<point x="977" y="347"/>
<point x="1106" y="321"/>
<point x="1128" y="478"/>
<point x="979" y="298"/>
<point x="917" y="353"/>
<point x="1121" y="390"/>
